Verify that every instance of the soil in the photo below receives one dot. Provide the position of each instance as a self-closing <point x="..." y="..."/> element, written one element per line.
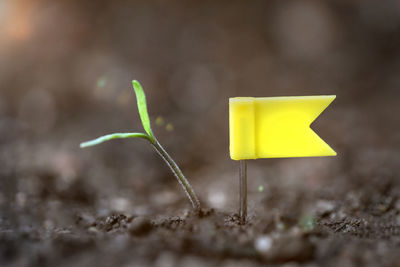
<point x="54" y="221"/>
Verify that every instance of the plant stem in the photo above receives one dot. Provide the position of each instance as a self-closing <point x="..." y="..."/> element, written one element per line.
<point x="178" y="174"/>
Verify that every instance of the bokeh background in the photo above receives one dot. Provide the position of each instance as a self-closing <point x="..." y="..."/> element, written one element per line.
<point x="65" y="77"/>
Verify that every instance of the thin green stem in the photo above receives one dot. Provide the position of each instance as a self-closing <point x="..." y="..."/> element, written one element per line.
<point x="178" y="174"/>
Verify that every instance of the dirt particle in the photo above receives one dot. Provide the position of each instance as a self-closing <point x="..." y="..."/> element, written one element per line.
<point x="112" y="222"/>
<point x="324" y="207"/>
<point x="263" y="244"/>
<point x="140" y="226"/>
<point x="289" y="248"/>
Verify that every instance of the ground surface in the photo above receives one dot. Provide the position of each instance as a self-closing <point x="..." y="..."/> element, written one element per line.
<point x="58" y="219"/>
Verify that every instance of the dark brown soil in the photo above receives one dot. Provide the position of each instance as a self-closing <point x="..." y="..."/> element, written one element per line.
<point x="63" y="225"/>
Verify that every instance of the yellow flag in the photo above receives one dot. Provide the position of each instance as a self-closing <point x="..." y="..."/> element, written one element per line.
<point x="276" y="127"/>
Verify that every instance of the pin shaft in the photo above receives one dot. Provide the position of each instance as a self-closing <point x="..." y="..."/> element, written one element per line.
<point x="243" y="191"/>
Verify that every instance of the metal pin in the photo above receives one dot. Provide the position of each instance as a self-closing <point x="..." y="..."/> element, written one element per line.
<point x="243" y="191"/>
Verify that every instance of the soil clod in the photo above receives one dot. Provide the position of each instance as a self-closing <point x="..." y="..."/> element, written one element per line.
<point x="140" y="226"/>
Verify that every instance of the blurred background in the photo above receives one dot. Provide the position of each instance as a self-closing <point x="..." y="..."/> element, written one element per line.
<point x="65" y="77"/>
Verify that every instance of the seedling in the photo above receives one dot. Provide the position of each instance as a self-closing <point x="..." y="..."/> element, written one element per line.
<point x="149" y="136"/>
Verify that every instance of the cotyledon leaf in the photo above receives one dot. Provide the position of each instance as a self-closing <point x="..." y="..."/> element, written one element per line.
<point x="142" y="107"/>
<point x="113" y="136"/>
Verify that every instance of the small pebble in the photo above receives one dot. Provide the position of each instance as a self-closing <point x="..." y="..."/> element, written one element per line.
<point x="287" y="248"/>
<point x="324" y="207"/>
<point x="263" y="243"/>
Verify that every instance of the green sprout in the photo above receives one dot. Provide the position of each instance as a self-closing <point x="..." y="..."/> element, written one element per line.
<point x="149" y="136"/>
<point x="307" y="222"/>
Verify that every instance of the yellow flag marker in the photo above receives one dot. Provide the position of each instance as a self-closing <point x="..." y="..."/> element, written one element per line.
<point x="276" y="127"/>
